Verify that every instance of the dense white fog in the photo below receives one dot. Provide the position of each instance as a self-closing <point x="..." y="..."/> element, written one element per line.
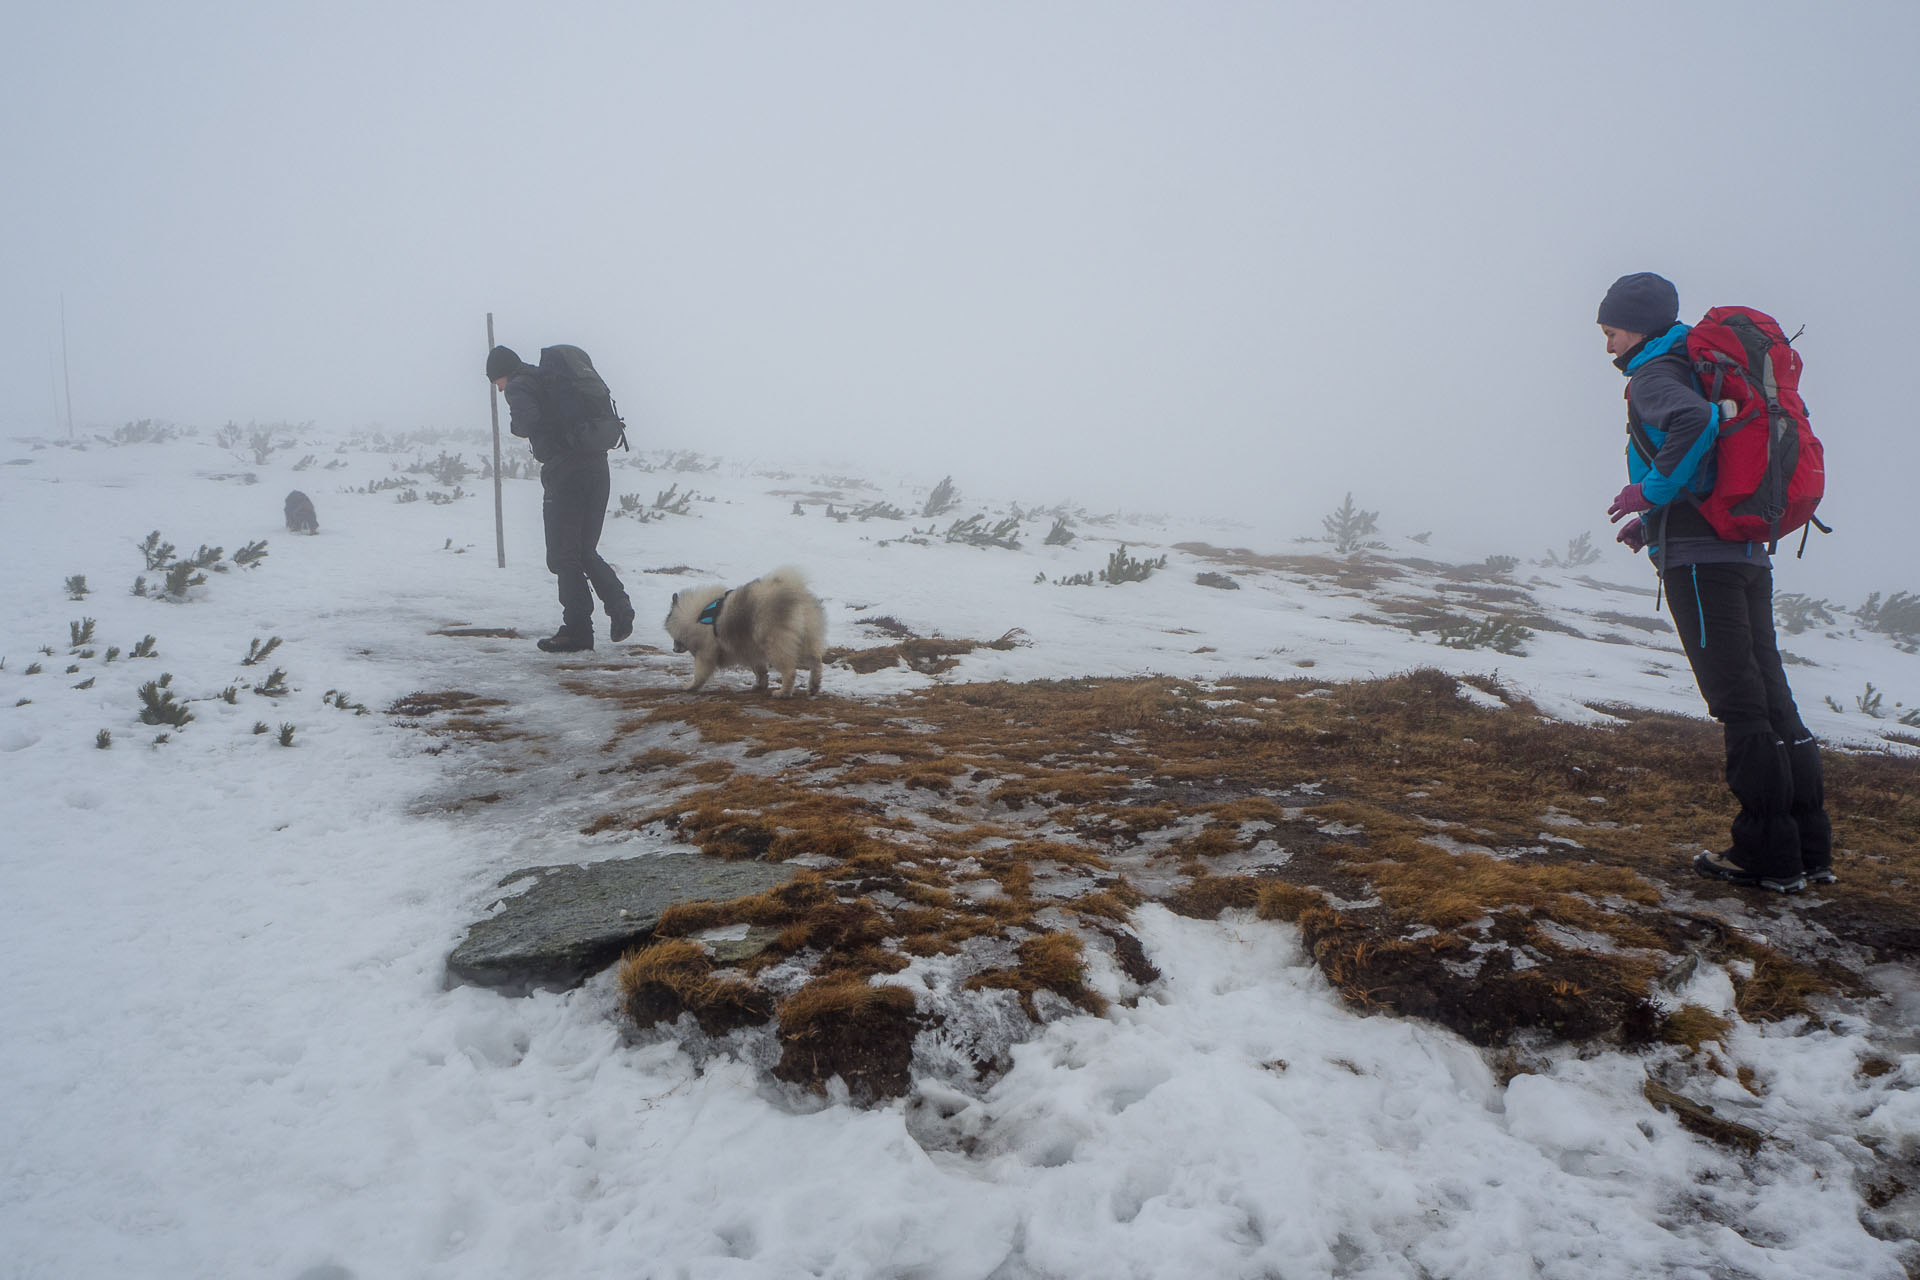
<point x="1242" y="258"/>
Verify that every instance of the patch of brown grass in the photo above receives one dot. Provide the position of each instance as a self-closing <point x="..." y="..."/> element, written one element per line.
<point x="1083" y="773"/>
<point x="661" y="981"/>
<point x="1693" y="1025"/>
<point x="842" y="1025"/>
<point x="1051" y="962"/>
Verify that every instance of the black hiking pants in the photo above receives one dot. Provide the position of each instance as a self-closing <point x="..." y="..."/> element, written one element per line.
<point x="574" y="508"/>
<point x="1724" y="614"/>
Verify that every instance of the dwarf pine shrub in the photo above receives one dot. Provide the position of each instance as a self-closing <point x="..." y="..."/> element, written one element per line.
<point x="273" y="686"/>
<point x="103" y="739"/>
<point x="260" y="726"/>
<point x="159" y="553"/>
<point x="1122" y="567"/>
<point x="257" y="651"/>
<point x="33" y="669"/>
<point x="80" y="633"/>
<point x="1501" y="566"/>
<point x="943" y="499"/>
<point x="1580" y="551"/>
<point x="1499" y="634"/>
<point x="339" y="698"/>
<point x="1796" y="613"/>
<point x="448" y="469"/>
<point x="159" y="706"/>
<point x="182" y="577"/>
<point x="877" y="511"/>
<point x="975" y="532"/>
<point x="672" y="502"/>
<point x="1060" y="535"/>
<point x="286" y="735"/>
<point x="1898" y="617"/>
<point x="1351" y="530"/>
<point x="113" y="651"/>
<point x="145" y="648"/>
<point x="250" y="556"/>
<point x="1870" y="702"/>
<point x="77" y="587"/>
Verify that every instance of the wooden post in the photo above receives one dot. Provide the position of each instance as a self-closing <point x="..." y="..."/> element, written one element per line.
<point x="66" y="377"/>
<point x="493" y="397"/>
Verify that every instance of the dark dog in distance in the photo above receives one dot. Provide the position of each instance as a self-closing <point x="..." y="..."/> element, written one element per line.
<point x="300" y="516"/>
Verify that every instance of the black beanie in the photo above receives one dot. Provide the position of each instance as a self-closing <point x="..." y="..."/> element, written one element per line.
<point x="1641" y="303"/>
<point x="502" y="361"/>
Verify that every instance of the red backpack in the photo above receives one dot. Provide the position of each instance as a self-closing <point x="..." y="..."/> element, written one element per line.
<point x="1771" y="470"/>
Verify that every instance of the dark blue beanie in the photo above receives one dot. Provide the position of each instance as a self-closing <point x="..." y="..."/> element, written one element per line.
<point x="502" y="361"/>
<point x="1641" y="303"/>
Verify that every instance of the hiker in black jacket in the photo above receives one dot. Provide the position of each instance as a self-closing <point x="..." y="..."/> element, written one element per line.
<point x="575" y="483"/>
<point x="1720" y="595"/>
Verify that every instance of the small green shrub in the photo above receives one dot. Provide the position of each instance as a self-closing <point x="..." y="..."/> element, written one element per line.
<point x="1796" y="613"/>
<point x="1351" y="530"/>
<point x="1498" y="634"/>
<point x="1122" y="567"/>
<point x="975" y="532"/>
<point x="159" y="706"/>
<point x="943" y="499"/>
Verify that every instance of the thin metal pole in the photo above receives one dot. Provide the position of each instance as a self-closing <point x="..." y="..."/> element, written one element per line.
<point x="64" y="375"/>
<point x="499" y="520"/>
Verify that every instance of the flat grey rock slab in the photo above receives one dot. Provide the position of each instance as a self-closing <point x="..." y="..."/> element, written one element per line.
<point x="575" y="921"/>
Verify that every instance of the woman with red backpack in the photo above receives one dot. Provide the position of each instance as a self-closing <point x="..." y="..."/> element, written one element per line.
<point x="1719" y="590"/>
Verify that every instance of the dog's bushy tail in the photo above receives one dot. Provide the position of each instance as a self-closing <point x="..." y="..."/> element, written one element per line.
<point x="787" y="576"/>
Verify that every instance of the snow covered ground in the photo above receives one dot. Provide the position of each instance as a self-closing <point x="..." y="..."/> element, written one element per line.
<point x="227" y="1046"/>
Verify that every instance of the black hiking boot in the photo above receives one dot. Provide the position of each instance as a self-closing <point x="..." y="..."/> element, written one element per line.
<point x="565" y="641"/>
<point x="622" y="625"/>
<point x="1716" y="867"/>
<point x="1823" y="876"/>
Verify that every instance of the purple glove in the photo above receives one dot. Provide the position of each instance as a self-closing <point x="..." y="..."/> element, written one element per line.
<point x="1628" y="501"/>
<point x="1632" y="535"/>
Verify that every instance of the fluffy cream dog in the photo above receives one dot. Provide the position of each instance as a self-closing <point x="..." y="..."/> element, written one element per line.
<point x="772" y="622"/>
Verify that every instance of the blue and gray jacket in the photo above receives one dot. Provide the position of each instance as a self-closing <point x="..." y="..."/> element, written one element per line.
<point x="1671" y="431"/>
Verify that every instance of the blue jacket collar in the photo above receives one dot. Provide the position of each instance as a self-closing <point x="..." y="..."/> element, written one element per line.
<point x="1659" y="346"/>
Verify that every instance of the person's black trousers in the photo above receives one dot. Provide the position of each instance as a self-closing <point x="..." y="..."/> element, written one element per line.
<point x="573" y="509"/>
<point x="1724" y="614"/>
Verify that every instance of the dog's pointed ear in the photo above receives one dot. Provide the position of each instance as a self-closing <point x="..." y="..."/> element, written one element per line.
<point x="671" y="604"/>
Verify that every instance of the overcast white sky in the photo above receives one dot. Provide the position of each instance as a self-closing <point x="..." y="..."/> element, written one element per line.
<point x="1248" y="254"/>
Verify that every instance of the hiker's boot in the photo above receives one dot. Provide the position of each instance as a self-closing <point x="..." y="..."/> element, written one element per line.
<point x="1717" y="867"/>
<point x="565" y="641"/>
<point x="1823" y="876"/>
<point x="622" y="624"/>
